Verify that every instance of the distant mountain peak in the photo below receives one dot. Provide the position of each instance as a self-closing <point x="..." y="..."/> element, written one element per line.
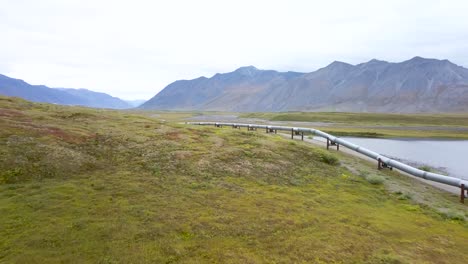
<point x="66" y="96"/>
<point x="247" y="70"/>
<point x="338" y="66"/>
<point x="420" y="60"/>
<point x="338" y="63"/>
<point x="376" y="61"/>
<point x="415" y="85"/>
<point x="250" y="67"/>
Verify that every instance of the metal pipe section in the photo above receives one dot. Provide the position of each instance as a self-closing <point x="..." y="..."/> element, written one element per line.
<point x="369" y="153"/>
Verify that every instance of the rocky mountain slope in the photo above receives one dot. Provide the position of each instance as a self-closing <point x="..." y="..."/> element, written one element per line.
<point x="64" y="96"/>
<point x="415" y="85"/>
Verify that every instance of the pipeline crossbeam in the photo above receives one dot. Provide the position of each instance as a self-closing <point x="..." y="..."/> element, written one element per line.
<point x="452" y="181"/>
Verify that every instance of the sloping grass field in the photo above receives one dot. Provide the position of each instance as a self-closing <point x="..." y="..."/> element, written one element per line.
<point x="81" y="185"/>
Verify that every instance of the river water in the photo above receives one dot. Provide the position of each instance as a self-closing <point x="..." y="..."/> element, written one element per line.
<point x="449" y="156"/>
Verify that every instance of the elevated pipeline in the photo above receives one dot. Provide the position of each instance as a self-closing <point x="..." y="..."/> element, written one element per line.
<point x="382" y="161"/>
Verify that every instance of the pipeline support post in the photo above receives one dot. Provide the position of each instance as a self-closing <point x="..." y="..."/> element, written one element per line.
<point x="462" y="193"/>
<point x="382" y="165"/>
<point x="297" y="133"/>
<point x="382" y="161"/>
<point x="331" y="143"/>
<point x="302" y="136"/>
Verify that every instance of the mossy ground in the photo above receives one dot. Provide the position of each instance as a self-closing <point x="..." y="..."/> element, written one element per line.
<point x="84" y="185"/>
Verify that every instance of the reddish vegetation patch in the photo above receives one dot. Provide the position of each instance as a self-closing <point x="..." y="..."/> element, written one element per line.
<point x="59" y="133"/>
<point x="173" y="135"/>
<point x="10" y="113"/>
<point x="51" y="131"/>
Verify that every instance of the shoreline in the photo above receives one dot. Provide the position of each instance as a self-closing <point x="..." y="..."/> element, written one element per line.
<point x="418" y="132"/>
<point x="343" y="149"/>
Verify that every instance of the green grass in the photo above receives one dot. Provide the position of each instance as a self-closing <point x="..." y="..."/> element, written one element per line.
<point x="367" y="118"/>
<point x="376" y="180"/>
<point x="83" y="185"/>
<point x="378" y="124"/>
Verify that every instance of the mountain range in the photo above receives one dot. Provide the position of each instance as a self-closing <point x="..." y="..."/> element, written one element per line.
<point x="412" y="86"/>
<point x="65" y="96"/>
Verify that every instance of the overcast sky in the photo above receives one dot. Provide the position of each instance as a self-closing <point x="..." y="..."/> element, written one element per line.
<point x="133" y="49"/>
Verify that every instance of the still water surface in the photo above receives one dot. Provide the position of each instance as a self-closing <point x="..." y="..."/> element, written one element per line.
<point x="450" y="156"/>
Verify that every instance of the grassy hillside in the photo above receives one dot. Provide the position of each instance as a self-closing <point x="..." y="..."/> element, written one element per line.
<point x="84" y="185"/>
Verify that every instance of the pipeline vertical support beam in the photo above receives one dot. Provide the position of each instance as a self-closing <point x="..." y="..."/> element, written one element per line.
<point x="462" y="193"/>
<point x="331" y="143"/>
<point x="381" y="164"/>
<point x="302" y="136"/>
<point x="266" y="130"/>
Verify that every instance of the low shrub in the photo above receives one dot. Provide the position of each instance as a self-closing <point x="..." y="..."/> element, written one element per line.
<point x="375" y="179"/>
<point x="425" y="168"/>
<point x="329" y="158"/>
<point x="10" y="176"/>
<point x="455" y="216"/>
<point x="403" y="196"/>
